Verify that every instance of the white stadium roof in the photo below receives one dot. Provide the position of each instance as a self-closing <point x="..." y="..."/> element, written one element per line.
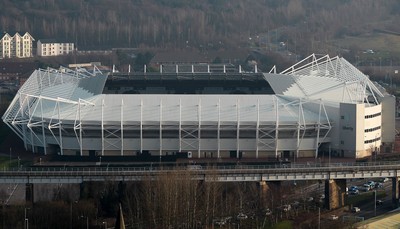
<point x="329" y="79"/>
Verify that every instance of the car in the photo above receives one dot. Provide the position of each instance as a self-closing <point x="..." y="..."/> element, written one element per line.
<point x="354" y="192"/>
<point x="296" y="203"/>
<point x="379" y="202"/>
<point x="268" y="212"/>
<point x="379" y="185"/>
<point x="286" y="207"/>
<point x="385" y="179"/>
<point x="333" y="217"/>
<point x="365" y="188"/>
<point x="220" y="222"/>
<point x="241" y="216"/>
<point x="353" y="188"/>
<point x="371" y="184"/>
<point x="355" y="209"/>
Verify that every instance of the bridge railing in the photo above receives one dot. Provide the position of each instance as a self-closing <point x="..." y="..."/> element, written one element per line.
<point x="276" y="167"/>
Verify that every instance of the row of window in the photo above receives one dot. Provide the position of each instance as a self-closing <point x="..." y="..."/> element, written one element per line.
<point x="372" y="129"/>
<point x="372" y="140"/>
<point x="373" y="115"/>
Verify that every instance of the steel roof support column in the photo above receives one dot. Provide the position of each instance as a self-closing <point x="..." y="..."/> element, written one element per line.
<point x="43" y="134"/>
<point x="59" y="129"/>
<point x="219" y="128"/>
<point x="160" y="137"/>
<point x="80" y="128"/>
<point x="237" y="128"/>
<point x="198" y="130"/>
<point x="122" y="127"/>
<point x="258" y="126"/>
<point x="23" y="116"/>
<point x="29" y="121"/>
<point x="277" y="125"/>
<point x="141" y="125"/>
<point x="180" y="125"/>
<point x="298" y="132"/>
<point x="102" y="128"/>
<point x="318" y="129"/>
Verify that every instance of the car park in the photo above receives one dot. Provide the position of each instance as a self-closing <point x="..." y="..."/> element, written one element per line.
<point x="355" y="209"/>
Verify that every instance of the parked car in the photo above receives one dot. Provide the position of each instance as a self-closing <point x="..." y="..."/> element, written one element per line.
<point x="371" y="184"/>
<point x="354" y="192"/>
<point x="378" y="185"/>
<point x="355" y="209"/>
<point x="352" y="188"/>
<point x="379" y="202"/>
<point x="268" y="212"/>
<point x="385" y="179"/>
<point x="333" y="217"/>
<point x="220" y="222"/>
<point x="241" y="216"/>
<point x="286" y="207"/>
<point x="365" y="188"/>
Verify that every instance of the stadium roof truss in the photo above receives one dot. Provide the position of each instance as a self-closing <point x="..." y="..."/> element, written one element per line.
<point x="60" y="103"/>
<point x="325" y="78"/>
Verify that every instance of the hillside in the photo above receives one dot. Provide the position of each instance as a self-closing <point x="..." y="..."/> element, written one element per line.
<point x="97" y="24"/>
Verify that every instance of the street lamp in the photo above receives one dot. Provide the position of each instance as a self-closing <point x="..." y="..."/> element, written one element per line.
<point x="87" y="220"/>
<point x="72" y="202"/>
<point x="26" y="220"/>
<point x="105" y="224"/>
<point x="375" y="202"/>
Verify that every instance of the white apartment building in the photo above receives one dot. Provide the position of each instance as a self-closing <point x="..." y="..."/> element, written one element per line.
<point x="16" y="46"/>
<point x="52" y="48"/>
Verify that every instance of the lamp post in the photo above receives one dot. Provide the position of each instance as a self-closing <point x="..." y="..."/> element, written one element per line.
<point x="375" y="202"/>
<point x="87" y="220"/>
<point x="72" y="202"/>
<point x="105" y="224"/>
<point x="26" y="220"/>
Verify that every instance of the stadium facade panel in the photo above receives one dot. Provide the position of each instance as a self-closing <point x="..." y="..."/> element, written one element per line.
<point x="319" y="104"/>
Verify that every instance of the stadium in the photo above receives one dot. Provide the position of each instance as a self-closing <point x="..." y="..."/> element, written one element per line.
<point x="318" y="105"/>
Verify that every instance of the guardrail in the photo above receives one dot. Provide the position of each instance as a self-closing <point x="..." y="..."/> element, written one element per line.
<point x="238" y="172"/>
<point x="238" y="167"/>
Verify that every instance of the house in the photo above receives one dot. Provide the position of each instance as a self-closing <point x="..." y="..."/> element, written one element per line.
<point x="50" y="47"/>
<point x="17" y="46"/>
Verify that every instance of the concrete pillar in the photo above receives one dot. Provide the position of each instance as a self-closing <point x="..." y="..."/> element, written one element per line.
<point x="263" y="188"/>
<point x="395" y="192"/>
<point x="335" y="193"/>
<point x="273" y="194"/>
<point x="29" y="193"/>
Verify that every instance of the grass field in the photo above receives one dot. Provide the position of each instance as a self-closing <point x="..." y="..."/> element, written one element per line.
<point x="375" y="41"/>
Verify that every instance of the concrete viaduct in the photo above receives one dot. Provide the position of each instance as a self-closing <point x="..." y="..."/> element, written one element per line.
<point x="335" y="175"/>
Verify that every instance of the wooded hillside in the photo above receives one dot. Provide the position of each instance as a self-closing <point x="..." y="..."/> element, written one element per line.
<point x="181" y="23"/>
